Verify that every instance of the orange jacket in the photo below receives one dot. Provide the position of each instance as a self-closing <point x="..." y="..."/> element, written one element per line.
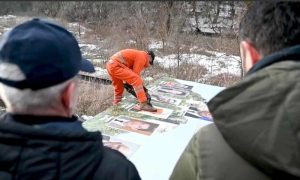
<point x="133" y="59"/>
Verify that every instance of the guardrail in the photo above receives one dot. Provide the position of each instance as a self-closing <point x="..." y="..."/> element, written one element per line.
<point x="93" y="79"/>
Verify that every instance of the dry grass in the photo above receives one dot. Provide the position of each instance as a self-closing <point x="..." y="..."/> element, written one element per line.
<point x="224" y="80"/>
<point x="192" y="72"/>
<point x="94" y="98"/>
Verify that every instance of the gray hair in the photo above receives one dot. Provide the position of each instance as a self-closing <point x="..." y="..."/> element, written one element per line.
<point x="28" y="100"/>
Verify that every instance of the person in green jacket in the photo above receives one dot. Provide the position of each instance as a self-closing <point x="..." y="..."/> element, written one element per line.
<point x="256" y="129"/>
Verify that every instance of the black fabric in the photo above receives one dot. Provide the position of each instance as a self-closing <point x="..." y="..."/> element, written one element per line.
<point x="36" y="147"/>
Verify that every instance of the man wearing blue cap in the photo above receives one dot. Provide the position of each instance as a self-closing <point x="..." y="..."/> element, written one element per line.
<point x="40" y="138"/>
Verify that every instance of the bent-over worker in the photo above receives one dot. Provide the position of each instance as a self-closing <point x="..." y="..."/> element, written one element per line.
<point x="126" y="66"/>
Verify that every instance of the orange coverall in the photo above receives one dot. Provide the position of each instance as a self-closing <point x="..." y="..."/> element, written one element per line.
<point x="127" y="65"/>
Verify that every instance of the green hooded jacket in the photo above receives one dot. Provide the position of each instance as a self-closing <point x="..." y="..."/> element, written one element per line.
<point x="256" y="134"/>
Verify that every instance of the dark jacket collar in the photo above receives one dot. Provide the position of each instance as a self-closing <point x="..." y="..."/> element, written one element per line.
<point x="48" y="127"/>
<point x="30" y="119"/>
<point x="290" y="53"/>
<point x="49" y="147"/>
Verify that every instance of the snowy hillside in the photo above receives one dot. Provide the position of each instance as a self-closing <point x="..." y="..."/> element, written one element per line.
<point x="215" y="62"/>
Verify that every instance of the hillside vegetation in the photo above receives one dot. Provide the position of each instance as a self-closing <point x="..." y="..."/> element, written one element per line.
<point x="193" y="40"/>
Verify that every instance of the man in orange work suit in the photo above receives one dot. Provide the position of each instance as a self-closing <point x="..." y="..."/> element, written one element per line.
<point x="127" y="65"/>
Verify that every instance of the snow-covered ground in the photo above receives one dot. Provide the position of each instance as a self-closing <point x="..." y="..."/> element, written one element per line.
<point x="215" y="62"/>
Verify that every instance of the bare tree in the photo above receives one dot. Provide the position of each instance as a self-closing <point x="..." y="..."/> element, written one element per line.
<point x="163" y="21"/>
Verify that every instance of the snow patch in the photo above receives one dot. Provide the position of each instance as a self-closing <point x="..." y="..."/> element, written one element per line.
<point x="155" y="45"/>
<point x="131" y="42"/>
<point x="88" y="46"/>
<point x="8" y="17"/>
<point x="149" y="79"/>
<point x="218" y="64"/>
<point x="85" y="117"/>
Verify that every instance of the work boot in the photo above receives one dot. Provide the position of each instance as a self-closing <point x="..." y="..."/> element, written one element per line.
<point x="115" y="103"/>
<point x="146" y="107"/>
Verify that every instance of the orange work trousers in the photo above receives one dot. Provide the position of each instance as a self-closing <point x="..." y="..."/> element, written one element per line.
<point x="119" y="73"/>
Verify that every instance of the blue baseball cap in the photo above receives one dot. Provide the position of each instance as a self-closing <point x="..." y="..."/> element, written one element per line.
<point x="46" y="53"/>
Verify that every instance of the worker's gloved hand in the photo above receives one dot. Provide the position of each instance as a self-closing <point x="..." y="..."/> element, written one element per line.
<point x="130" y="89"/>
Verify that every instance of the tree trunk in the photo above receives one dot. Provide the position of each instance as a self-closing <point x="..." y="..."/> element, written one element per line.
<point x="196" y="16"/>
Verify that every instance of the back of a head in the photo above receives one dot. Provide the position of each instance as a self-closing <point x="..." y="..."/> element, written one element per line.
<point x="37" y="59"/>
<point x="151" y="53"/>
<point x="271" y="25"/>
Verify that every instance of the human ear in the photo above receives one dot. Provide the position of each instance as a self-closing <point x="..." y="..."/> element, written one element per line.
<point x="249" y="54"/>
<point x="67" y="98"/>
<point x="150" y="60"/>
